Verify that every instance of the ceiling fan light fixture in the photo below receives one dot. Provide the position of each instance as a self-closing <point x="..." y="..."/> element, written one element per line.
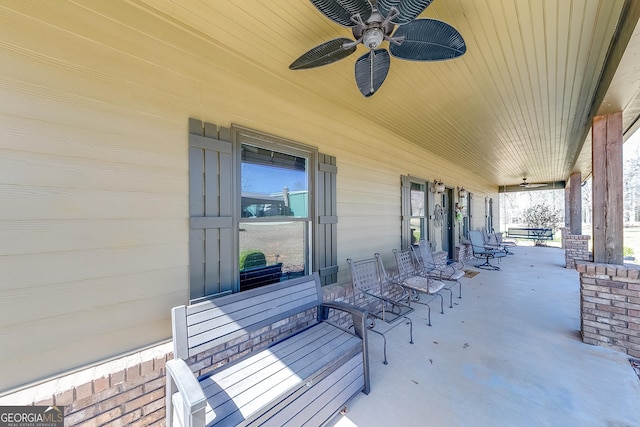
<point x="372" y="38"/>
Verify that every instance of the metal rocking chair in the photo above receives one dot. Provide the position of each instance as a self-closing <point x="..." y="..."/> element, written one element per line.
<point x="506" y="243"/>
<point x="450" y="274"/>
<point x="481" y="251"/>
<point x="415" y="283"/>
<point x="494" y="241"/>
<point x="369" y="280"/>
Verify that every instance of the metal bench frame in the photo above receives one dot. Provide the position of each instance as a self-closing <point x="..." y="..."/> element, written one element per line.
<point x="539" y="235"/>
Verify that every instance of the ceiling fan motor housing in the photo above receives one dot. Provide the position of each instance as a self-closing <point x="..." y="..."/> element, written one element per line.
<point x="372" y="38"/>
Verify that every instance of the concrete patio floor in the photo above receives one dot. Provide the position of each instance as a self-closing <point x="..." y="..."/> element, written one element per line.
<point x="508" y="354"/>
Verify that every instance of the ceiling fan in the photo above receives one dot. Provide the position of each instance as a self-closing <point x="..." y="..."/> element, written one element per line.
<point x="525" y="184"/>
<point x="372" y="22"/>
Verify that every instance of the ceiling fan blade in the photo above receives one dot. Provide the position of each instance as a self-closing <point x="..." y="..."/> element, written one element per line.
<point x="428" y="40"/>
<point x="341" y="11"/>
<point x="324" y="54"/>
<point x="408" y="9"/>
<point x="371" y="70"/>
<point x="536" y="185"/>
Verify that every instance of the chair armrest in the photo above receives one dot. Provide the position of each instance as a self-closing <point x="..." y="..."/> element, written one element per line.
<point x="180" y="377"/>
<point x="456" y="265"/>
<point x="435" y="273"/>
<point x="446" y="272"/>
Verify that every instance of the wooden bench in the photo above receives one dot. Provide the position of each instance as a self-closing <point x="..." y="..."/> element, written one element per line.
<point x="537" y="234"/>
<point x="305" y="377"/>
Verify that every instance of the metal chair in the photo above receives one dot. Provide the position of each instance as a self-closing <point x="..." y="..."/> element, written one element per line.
<point x="416" y="284"/>
<point x="493" y="241"/>
<point x="450" y="273"/>
<point x="505" y="243"/>
<point x="481" y="251"/>
<point x="369" y="279"/>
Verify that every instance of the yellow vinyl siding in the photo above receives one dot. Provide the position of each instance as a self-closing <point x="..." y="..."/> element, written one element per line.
<point x="94" y="221"/>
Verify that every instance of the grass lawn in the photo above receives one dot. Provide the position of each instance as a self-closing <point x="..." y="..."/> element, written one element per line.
<point x="631" y="241"/>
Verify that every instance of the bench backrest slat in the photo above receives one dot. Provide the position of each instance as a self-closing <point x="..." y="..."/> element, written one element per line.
<point x="205" y="325"/>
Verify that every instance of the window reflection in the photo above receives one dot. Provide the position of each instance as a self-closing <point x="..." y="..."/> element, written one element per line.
<point x="273" y="184"/>
<point x="274" y="232"/>
<point x="417" y="199"/>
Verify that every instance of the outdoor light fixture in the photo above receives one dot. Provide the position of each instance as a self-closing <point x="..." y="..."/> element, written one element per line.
<point x="462" y="193"/>
<point x="438" y="186"/>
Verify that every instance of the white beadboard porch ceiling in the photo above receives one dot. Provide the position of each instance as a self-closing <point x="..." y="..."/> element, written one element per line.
<point x="517" y="104"/>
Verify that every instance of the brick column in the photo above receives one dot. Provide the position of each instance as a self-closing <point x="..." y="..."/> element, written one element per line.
<point x="576" y="247"/>
<point x="464" y="252"/>
<point x="440" y="258"/>
<point x="610" y="306"/>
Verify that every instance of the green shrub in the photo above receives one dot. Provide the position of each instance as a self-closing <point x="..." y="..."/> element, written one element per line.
<point x="252" y="258"/>
<point x="627" y="251"/>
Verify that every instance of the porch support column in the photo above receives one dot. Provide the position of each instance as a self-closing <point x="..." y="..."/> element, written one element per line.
<point x="607" y="189"/>
<point x="567" y="206"/>
<point x="575" y="203"/>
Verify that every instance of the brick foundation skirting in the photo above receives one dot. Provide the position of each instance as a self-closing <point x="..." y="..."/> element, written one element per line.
<point x="127" y="391"/>
<point x="130" y="390"/>
<point x="610" y="305"/>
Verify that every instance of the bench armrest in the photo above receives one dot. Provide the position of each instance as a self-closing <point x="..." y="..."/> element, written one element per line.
<point x="181" y="379"/>
<point x="358" y="314"/>
<point x="359" y="318"/>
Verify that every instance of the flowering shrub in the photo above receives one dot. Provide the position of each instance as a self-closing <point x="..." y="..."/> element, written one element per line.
<point x="542" y="216"/>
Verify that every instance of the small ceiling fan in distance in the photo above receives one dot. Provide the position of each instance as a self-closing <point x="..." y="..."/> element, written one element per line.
<point x="373" y="22"/>
<point x="525" y="184"/>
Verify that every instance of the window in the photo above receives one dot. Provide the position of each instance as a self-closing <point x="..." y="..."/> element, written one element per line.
<point x="275" y="221"/>
<point x="418" y="211"/>
<point x="261" y="209"/>
<point x="414" y="210"/>
<point x="466" y="215"/>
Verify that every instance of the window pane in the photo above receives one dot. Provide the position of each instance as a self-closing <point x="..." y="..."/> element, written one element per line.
<point x="417" y="230"/>
<point x="277" y="242"/>
<point x="274" y="184"/>
<point x="417" y="199"/>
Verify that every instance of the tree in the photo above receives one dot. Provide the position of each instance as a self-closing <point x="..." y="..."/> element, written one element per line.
<point x="543" y="216"/>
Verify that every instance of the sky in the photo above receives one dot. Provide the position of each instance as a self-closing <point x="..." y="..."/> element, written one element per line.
<point x="630" y="147"/>
<point x="268" y="179"/>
